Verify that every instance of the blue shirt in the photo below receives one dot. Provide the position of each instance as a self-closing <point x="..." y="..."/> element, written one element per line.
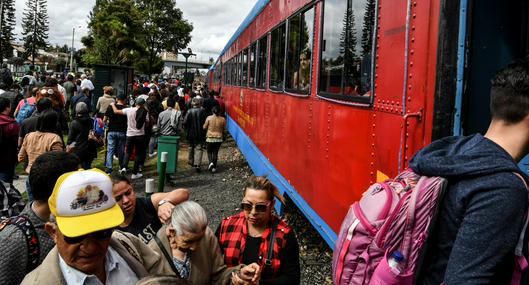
<point x="116" y="268"/>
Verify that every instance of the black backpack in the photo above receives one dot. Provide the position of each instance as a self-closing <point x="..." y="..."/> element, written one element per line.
<point x="24" y="224"/>
<point x="11" y="201"/>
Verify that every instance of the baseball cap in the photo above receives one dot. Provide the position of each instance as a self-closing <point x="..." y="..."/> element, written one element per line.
<point x="140" y="101"/>
<point x="82" y="203"/>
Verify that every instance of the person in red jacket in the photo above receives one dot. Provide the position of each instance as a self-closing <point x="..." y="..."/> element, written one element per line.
<point x="8" y="141"/>
<point x="245" y="237"/>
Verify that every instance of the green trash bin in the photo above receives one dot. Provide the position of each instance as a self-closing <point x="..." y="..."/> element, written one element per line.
<point x="168" y="144"/>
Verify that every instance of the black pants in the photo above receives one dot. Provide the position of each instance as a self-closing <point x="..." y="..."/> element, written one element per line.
<point x="138" y="143"/>
<point x="213" y="152"/>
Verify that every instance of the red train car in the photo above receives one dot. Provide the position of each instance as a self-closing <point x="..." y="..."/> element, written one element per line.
<point x="326" y="97"/>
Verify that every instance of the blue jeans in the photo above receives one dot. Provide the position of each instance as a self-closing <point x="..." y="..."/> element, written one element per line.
<point x="29" y="191"/>
<point x="115" y="145"/>
<point x="7" y="175"/>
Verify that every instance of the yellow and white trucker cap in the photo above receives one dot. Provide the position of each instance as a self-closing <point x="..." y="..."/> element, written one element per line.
<point x="82" y="203"/>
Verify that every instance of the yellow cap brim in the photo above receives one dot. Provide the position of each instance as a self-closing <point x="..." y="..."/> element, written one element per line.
<point x="81" y="225"/>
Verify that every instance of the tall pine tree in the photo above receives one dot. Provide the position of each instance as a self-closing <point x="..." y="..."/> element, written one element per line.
<point x="35" y="27"/>
<point x="368" y="27"/>
<point x="7" y="26"/>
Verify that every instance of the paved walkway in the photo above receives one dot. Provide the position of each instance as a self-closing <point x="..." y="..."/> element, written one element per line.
<point x="20" y="183"/>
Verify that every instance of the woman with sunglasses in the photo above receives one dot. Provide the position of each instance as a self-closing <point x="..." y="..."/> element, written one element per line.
<point x="258" y="235"/>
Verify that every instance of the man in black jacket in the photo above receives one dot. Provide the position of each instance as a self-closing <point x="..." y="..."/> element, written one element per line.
<point x="6" y="83"/>
<point x="196" y="135"/>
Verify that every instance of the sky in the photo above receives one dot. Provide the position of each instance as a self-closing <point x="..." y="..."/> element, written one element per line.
<point x="214" y="22"/>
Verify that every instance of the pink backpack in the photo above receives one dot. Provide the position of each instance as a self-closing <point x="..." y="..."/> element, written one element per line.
<point x="391" y="216"/>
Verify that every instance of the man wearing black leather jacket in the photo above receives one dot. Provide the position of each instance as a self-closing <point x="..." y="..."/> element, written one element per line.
<point x="196" y="135"/>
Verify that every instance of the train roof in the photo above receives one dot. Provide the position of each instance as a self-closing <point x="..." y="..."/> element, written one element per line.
<point x="256" y="10"/>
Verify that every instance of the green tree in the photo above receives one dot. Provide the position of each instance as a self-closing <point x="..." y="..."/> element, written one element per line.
<point x="368" y="27"/>
<point x="7" y="25"/>
<point x="35" y="27"/>
<point x="164" y="28"/>
<point x="348" y="42"/>
<point x="115" y="33"/>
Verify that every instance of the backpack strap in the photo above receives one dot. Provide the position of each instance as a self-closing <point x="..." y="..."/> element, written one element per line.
<point x="166" y="254"/>
<point x="270" y="255"/>
<point x="521" y="262"/>
<point x="33" y="246"/>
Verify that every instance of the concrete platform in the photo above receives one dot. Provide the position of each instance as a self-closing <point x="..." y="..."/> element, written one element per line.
<point x="20" y="183"/>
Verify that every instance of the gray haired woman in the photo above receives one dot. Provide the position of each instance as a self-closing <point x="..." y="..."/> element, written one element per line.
<point x="191" y="250"/>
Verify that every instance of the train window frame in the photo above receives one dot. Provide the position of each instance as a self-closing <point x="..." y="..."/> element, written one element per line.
<point x="252" y="68"/>
<point x="227" y="72"/>
<point x="261" y="83"/>
<point x="362" y="101"/>
<point x="245" y="69"/>
<point x="270" y="63"/>
<point x="237" y="70"/>
<point x="300" y="14"/>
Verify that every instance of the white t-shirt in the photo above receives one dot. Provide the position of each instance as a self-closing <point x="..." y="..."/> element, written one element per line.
<point x="87" y="83"/>
<point x="131" y="122"/>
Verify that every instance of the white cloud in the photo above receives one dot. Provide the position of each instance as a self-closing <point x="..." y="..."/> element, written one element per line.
<point x="214" y="22"/>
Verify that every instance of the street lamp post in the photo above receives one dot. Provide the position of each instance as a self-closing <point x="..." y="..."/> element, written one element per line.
<point x="72" y="48"/>
<point x="186" y="56"/>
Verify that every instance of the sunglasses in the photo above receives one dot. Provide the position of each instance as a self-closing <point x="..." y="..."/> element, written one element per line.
<point x="247" y="206"/>
<point x="99" y="235"/>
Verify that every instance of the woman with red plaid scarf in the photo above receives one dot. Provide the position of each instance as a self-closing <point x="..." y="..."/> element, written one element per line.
<point x="246" y="237"/>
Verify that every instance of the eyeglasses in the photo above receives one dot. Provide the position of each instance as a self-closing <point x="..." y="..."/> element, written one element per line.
<point x="99" y="235"/>
<point x="247" y="206"/>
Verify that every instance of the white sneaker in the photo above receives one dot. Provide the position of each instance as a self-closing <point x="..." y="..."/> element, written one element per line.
<point x="136" y="176"/>
<point x="213" y="170"/>
<point x="210" y="166"/>
<point x="151" y="155"/>
<point x="122" y="171"/>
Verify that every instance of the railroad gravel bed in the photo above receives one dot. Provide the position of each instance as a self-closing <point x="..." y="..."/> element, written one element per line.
<point x="221" y="193"/>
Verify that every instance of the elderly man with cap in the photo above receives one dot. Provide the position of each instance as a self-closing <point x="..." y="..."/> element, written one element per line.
<point x="88" y="250"/>
<point x="137" y="117"/>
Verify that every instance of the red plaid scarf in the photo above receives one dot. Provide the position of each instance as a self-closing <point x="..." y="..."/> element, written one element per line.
<point x="232" y="240"/>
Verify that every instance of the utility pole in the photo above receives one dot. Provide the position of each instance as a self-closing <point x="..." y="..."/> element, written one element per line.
<point x="186" y="55"/>
<point x="71" y="53"/>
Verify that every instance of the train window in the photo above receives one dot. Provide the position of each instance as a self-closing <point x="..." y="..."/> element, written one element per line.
<point x="251" y="73"/>
<point x="299" y="52"/>
<point x="224" y="78"/>
<point x="233" y="71"/>
<point x="226" y="72"/>
<point x="238" y="70"/>
<point x="346" y="57"/>
<point x="277" y="57"/>
<point x="244" y="68"/>
<point x="262" y="57"/>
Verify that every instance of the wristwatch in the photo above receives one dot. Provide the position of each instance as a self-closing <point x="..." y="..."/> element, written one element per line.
<point x="163" y="202"/>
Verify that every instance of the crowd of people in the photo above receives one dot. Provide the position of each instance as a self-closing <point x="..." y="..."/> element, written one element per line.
<point x="83" y="225"/>
<point x="52" y="108"/>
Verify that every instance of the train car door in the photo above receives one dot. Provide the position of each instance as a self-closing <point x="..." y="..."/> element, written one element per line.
<point x="497" y="33"/>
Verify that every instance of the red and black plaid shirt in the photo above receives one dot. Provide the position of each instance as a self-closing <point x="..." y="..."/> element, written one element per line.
<point x="232" y="240"/>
